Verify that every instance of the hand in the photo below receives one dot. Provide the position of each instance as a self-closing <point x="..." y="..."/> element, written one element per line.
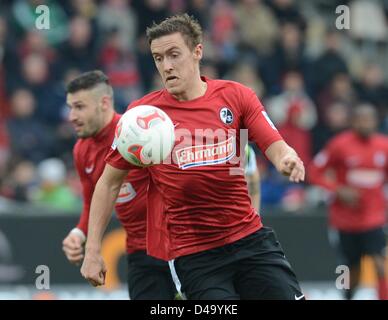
<point x="348" y="195"/>
<point x="73" y="247"/>
<point x="291" y="166"/>
<point x="93" y="268"/>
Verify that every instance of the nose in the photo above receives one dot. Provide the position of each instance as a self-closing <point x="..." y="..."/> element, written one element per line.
<point x="167" y="65"/>
<point x="72" y="115"/>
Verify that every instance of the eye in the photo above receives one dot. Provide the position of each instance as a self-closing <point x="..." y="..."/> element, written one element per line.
<point x="158" y="58"/>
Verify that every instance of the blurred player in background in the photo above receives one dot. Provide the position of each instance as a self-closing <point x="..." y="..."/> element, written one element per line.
<point x="358" y="161"/>
<point x="207" y="225"/>
<point x="90" y="99"/>
<point x="252" y="176"/>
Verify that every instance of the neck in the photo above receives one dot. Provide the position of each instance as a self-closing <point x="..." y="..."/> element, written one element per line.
<point x="364" y="137"/>
<point x="107" y="120"/>
<point x="196" y="89"/>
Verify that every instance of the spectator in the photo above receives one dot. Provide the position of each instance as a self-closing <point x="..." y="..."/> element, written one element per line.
<point x="150" y="11"/>
<point x="122" y="69"/>
<point x="286" y="11"/>
<point x="35" y="42"/>
<point x="329" y="63"/>
<point x="295" y="114"/>
<point x="362" y="14"/>
<point x="201" y="11"/>
<point x="258" y="27"/>
<point x="36" y="78"/>
<point x="336" y="120"/>
<point x="288" y="54"/>
<point x="119" y="15"/>
<point x="223" y="22"/>
<point x="373" y="90"/>
<point x="79" y="50"/>
<point x="21" y="182"/>
<point x="53" y="191"/>
<point x="245" y="74"/>
<point x="29" y="139"/>
<point x="340" y="89"/>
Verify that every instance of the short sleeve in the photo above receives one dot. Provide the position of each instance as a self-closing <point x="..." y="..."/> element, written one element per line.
<point x="261" y="129"/>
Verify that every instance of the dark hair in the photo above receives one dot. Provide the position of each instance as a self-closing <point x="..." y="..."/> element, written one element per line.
<point x="87" y="81"/>
<point x="187" y="25"/>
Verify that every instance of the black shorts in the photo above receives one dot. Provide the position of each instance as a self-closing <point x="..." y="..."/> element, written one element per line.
<point x="351" y="246"/>
<point x="253" y="267"/>
<point x="149" y="278"/>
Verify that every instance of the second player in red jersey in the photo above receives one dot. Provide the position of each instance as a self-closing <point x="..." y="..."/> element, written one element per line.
<point x="90" y="100"/>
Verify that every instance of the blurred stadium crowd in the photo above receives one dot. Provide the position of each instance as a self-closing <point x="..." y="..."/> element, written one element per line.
<point x="307" y="73"/>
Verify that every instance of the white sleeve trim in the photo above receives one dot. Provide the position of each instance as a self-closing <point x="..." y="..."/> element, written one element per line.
<point x="80" y="233"/>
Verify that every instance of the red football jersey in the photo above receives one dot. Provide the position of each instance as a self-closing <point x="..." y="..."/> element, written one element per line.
<point x="89" y="157"/>
<point x="201" y="202"/>
<point x="358" y="163"/>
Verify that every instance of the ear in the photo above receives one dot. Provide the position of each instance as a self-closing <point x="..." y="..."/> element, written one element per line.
<point x="106" y="102"/>
<point x="198" y="51"/>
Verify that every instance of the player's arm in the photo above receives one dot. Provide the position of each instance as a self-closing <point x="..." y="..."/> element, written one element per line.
<point x="318" y="170"/>
<point x="286" y="160"/>
<point x="73" y="244"/>
<point x="103" y="201"/>
<point x="263" y="132"/>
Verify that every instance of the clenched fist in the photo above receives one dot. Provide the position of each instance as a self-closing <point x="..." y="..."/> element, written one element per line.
<point x="291" y="166"/>
<point x="73" y="247"/>
<point x="93" y="268"/>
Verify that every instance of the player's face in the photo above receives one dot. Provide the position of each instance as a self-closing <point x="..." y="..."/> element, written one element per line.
<point x="365" y="123"/>
<point x="177" y="64"/>
<point x="85" y="113"/>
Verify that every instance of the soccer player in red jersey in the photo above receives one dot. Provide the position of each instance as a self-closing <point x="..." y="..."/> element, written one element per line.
<point x="205" y="223"/>
<point x="358" y="160"/>
<point x="90" y="99"/>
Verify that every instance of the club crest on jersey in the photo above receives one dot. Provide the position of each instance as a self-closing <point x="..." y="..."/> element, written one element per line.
<point x="127" y="193"/>
<point x="205" y="155"/>
<point x="226" y="115"/>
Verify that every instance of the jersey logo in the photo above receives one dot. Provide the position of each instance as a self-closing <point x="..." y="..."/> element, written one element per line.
<point x="365" y="178"/>
<point x="226" y="115"/>
<point x="205" y="155"/>
<point x="90" y="169"/>
<point x="127" y="193"/>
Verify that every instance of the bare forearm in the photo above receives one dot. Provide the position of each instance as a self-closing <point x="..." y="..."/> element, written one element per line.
<point x="286" y="161"/>
<point x="101" y="209"/>
<point x="277" y="151"/>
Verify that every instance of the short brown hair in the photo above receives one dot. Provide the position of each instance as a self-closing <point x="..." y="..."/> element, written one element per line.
<point x="187" y="25"/>
<point x="87" y="80"/>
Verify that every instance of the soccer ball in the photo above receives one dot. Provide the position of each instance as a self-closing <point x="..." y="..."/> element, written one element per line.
<point x="144" y="135"/>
